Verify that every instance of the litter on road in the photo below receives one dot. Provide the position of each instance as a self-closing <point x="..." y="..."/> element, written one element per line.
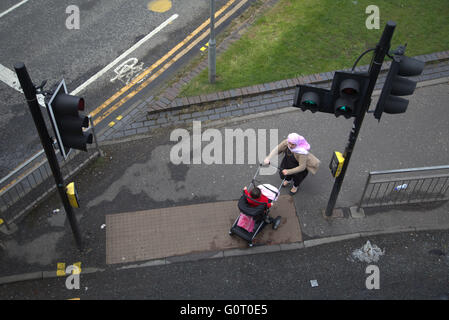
<point x="368" y="253"/>
<point x="314" y="283"/>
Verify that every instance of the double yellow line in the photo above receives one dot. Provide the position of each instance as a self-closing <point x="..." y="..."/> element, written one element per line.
<point x="147" y="71"/>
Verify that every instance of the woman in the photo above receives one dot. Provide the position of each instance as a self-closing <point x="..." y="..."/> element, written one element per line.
<point x="297" y="162"/>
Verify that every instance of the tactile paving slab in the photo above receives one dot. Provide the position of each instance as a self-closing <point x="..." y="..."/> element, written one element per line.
<point x="167" y="232"/>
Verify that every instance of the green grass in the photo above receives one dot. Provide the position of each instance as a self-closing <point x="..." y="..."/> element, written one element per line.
<point x="301" y="37"/>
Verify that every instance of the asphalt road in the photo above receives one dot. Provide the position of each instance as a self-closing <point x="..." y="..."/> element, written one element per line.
<point x="413" y="266"/>
<point x="36" y="33"/>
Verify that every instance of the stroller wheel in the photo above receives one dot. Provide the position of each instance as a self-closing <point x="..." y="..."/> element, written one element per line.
<point x="276" y="222"/>
<point x="231" y="233"/>
<point x="250" y="244"/>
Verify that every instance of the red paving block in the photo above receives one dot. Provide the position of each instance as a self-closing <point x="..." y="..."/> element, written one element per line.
<point x="167" y="232"/>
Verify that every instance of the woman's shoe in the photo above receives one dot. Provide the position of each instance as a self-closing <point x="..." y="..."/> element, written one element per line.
<point x="293" y="190"/>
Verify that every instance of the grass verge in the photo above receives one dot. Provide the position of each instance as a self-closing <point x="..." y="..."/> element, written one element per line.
<point x="301" y="37"/>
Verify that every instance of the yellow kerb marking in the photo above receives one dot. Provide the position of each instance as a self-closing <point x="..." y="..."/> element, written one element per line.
<point x="60" y="272"/>
<point x="111" y="124"/>
<point x="78" y="265"/>
<point x="119" y="118"/>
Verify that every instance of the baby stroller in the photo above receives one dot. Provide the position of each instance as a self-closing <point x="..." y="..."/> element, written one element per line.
<point x="252" y="220"/>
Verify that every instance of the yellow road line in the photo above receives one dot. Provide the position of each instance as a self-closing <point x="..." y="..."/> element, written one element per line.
<point x="159" y="62"/>
<point x="166" y="66"/>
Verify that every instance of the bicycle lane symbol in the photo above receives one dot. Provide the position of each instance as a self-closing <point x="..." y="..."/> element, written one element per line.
<point x="127" y="70"/>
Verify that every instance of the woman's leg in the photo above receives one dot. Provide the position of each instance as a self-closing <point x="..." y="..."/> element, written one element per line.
<point x="287" y="178"/>
<point x="299" y="177"/>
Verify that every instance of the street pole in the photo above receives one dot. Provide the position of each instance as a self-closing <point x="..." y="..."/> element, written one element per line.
<point x="212" y="44"/>
<point x="29" y="91"/>
<point x="376" y="63"/>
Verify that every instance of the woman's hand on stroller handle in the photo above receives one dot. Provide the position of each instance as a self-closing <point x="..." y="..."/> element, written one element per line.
<point x="267" y="163"/>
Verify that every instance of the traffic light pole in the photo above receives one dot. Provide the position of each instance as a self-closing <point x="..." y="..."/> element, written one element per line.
<point x="376" y="63"/>
<point x="30" y="94"/>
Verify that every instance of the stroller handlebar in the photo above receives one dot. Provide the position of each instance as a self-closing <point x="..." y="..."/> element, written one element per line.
<point x="268" y="165"/>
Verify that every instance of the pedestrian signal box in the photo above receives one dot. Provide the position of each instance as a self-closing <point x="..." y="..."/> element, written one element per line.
<point x="336" y="164"/>
<point x="72" y="195"/>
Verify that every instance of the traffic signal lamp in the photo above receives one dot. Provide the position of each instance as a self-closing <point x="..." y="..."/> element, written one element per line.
<point x="311" y="98"/>
<point x="397" y="85"/>
<point x="344" y="99"/>
<point x="67" y="122"/>
<point x="348" y="92"/>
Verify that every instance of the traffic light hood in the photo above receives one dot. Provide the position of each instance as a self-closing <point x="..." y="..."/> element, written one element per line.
<point x="410" y="66"/>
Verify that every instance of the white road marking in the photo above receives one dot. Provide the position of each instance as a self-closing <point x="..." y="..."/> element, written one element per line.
<point x="127" y="70"/>
<point x="10" y="78"/>
<point x="12" y="8"/>
<point x="123" y="55"/>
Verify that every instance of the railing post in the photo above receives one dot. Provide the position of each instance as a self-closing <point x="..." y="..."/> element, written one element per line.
<point x="368" y="180"/>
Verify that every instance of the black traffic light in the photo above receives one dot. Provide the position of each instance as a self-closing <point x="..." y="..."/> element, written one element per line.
<point x="312" y="98"/>
<point x="68" y="124"/>
<point x="396" y="85"/>
<point x="348" y="92"/>
<point x="344" y="99"/>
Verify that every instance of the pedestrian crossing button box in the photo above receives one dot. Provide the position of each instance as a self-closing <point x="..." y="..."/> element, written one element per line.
<point x="72" y="195"/>
<point x="336" y="164"/>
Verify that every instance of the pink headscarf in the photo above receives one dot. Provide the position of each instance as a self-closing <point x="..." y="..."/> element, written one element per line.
<point x="302" y="146"/>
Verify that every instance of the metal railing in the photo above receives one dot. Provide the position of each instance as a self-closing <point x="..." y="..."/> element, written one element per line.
<point x="23" y="178"/>
<point x="406" y="186"/>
